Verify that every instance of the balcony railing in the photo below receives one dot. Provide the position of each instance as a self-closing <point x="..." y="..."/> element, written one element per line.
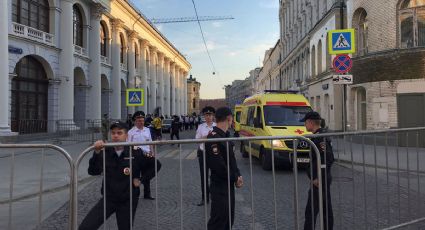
<point x="123" y="66"/>
<point x="32" y="34"/>
<point x="80" y="50"/>
<point x="104" y="60"/>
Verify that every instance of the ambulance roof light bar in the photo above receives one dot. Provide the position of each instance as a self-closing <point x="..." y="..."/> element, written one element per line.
<point x="282" y="91"/>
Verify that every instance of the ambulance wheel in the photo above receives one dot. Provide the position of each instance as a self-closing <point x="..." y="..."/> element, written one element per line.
<point x="266" y="160"/>
<point x="243" y="150"/>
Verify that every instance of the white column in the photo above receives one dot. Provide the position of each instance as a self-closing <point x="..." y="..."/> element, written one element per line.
<point x="160" y="79"/>
<point x="66" y="63"/>
<point x="173" y="91"/>
<point x="143" y="74"/>
<point x="116" y="71"/>
<point x="4" y="69"/>
<point x="185" y="92"/>
<point x="179" y="91"/>
<point x="176" y="89"/>
<point x="153" y="68"/>
<point x="94" y="78"/>
<point x="167" y="86"/>
<point x="131" y="65"/>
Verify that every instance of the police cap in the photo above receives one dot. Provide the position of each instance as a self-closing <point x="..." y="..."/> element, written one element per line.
<point x="208" y="110"/>
<point x="311" y="116"/>
<point x="119" y="125"/>
<point x="222" y="113"/>
<point x="138" y="114"/>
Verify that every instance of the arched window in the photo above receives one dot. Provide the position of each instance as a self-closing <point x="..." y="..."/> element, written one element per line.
<point x="319" y="57"/>
<point x="78" y="26"/>
<point x="29" y="97"/>
<point x="328" y="55"/>
<point x="33" y="13"/>
<point x="313" y="62"/>
<point x="122" y="53"/>
<point x="412" y="23"/>
<point x="103" y="40"/>
<point x="361" y="26"/>
<point x="136" y="55"/>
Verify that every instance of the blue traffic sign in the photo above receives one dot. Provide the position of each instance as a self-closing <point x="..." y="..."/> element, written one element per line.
<point x="342" y="63"/>
<point x="342" y="41"/>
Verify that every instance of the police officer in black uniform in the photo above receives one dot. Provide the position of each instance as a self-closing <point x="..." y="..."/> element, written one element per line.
<point x="117" y="173"/>
<point x="217" y="160"/>
<point x="313" y="124"/>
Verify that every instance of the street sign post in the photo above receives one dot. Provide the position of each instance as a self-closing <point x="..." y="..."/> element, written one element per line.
<point x="134" y="97"/>
<point x="342" y="79"/>
<point x="342" y="41"/>
<point x="342" y="63"/>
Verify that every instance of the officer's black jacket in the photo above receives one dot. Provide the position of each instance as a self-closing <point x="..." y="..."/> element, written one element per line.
<point x="329" y="156"/>
<point x="117" y="183"/>
<point x="217" y="159"/>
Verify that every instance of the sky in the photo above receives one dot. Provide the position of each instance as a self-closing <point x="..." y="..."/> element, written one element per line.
<point x="236" y="46"/>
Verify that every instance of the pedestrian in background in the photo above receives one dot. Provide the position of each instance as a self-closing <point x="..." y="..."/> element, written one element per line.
<point x="217" y="160"/>
<point x="117" y="175"/>
<point x="313" y="123"/>
<point x="175" y="128"/>
<point x="157" y="126"/>
<point x="105" y="127"/>
<point x="202" y="133"/>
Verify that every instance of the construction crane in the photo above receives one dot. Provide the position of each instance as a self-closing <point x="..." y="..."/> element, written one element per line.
<point x="190" y="19"/>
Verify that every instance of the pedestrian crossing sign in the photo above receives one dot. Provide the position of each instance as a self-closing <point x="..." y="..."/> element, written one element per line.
<point x="342" y="41"/>
<point x="134" y="97"/>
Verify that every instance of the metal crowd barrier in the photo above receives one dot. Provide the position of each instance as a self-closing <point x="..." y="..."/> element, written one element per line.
<point x="41" y="187"/>
<point x="387" y="164"/>
<point x="74" y="207"/>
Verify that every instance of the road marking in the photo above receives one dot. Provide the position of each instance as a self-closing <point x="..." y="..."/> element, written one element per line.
<point x="172" y="153"/>
<point x="183" y="153"/>
<point x="192" y="155"/>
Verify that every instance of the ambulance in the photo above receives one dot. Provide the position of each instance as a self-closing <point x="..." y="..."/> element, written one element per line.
<point x="274" y="113"/>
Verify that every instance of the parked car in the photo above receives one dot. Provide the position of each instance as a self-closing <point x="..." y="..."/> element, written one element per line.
<point x="166" y="125"/>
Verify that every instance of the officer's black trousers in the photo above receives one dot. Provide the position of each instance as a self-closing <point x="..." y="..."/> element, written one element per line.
<point x="174" y="134"/>
<point x="148" y="172"/>
<point x="328" y="219"/>
<point x="202" y="172"/>
<point x="94" y="218"/>
<point x="219" y="219"/>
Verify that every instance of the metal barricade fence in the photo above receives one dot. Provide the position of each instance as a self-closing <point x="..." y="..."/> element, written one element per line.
<point x="26" y="181"/>
<point x="294" y="139"/>
<point x="378" y="179"/>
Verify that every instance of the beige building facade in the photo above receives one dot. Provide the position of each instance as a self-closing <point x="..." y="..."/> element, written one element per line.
<point x="80" y="56"/>
<point x="193" y="96"/>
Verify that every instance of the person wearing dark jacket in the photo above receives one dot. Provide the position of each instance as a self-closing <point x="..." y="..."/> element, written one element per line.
<point x="120" y="170"/>
<point x="175" y="128"/>
<point x="313" y="123"/>
<point x="217" y="160"/>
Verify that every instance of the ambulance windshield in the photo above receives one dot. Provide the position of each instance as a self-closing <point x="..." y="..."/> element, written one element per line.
<point x="276" y="115"/>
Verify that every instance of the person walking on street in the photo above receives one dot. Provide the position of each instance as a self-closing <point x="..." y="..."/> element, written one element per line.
<point x="139" y="133"/>
<point x="217" y="160"/>
<point x="105" y="127"/>
<point x="175" y="128"/>
<point x="202" y="133"/>
<point x="313" y="124"/>
<point x="120" y="167"/>
<point x="157" y="126"/>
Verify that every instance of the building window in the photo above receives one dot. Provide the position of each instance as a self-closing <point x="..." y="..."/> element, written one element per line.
<point x="361" y="26"/>
<point x="136" y="55"/>
<point x="412" y="23"/>
<point x="103" y="40"/>
<point x="313" y="61"/>
<point x="33" y="13"/>
<point x="78" y="26"/>
<point x="194" y="103"/>
<point x="122" y="53"/>
<point x="194" y="89"/>
<point x="29" y="97"/>
<point x="319" y="57"/>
